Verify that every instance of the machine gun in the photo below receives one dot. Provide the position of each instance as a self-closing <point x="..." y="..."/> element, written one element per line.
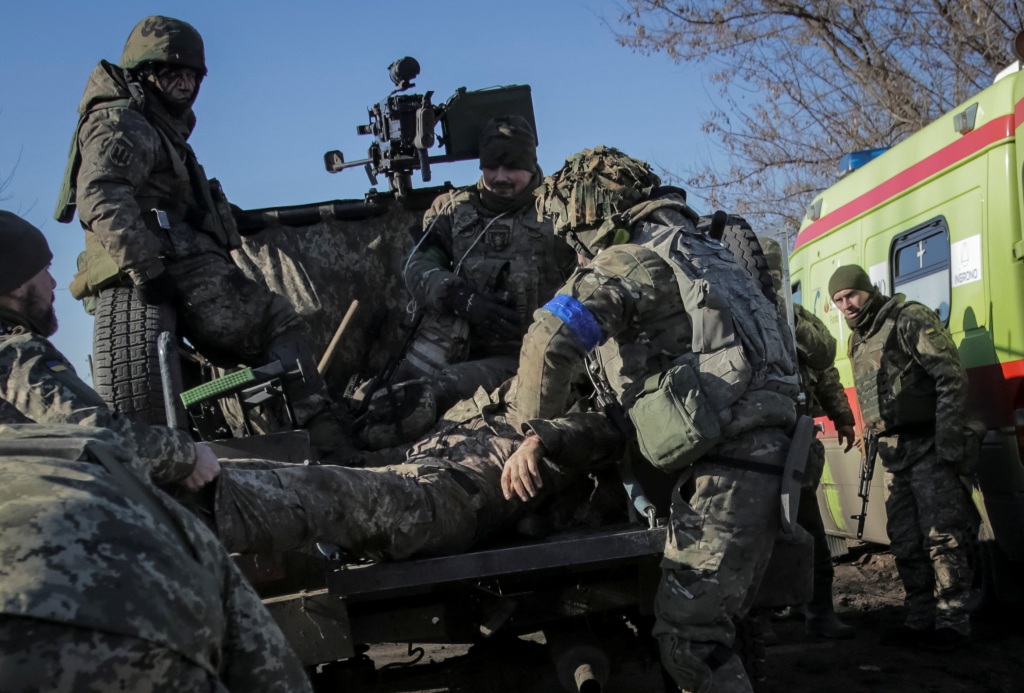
<point x="867" y="472"/>
<point x="403" y="127"/>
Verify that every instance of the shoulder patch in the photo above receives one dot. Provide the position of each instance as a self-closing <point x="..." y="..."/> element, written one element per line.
<point x="56" y="366"/>
<point x="119" y="151"/>
<point x="577" y="317"/>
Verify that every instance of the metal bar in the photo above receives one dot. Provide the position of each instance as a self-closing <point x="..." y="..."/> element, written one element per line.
<point x="565" y="551"/>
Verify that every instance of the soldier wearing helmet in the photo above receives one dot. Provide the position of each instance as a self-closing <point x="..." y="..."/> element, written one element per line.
<point x="485" y="263"/>
<point x="152" y="218"/>
<point x="699" y="362"/>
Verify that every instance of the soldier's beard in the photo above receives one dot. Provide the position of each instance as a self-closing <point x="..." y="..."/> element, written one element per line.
<point x="40" y="313"/>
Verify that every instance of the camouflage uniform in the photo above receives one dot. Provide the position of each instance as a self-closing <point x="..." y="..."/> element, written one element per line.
<point x="150" y="214"/>
<point x="444" y="499"/>
<point x="816" y="350"/>
<point x="516" y="253"/>
<point x="912" y="391"/>
<point x="629" y="305"/>
<point x="37" y="380"/>
<point x="109" y="584"/>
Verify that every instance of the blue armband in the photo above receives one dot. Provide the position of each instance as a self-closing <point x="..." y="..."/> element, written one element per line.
<point x="578" y="317"/>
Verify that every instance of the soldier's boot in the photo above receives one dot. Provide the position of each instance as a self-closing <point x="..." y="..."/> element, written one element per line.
<point x="398" y="414"/>
<point x="329" y="435"/>
<point x="821" y="619"/>
<point x="701" y="667"/>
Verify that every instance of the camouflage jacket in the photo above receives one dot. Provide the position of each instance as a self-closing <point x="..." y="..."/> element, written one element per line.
<point x="87" y="541"/>
<point x="477" y="436"/>
<point x="628" y="304"/>
<point x="911" y="386"/>
<point x="516" y="253"/>
<point x="816" y="355"/>
<point x="134" y="159"/>
<point x="40" y="383"/>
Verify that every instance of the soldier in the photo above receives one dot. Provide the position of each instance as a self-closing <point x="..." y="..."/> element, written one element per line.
<point x="912" y="391"/>
<point x="150" y="214"/>
<point x="36" y="379"/>
<point x="699" y="360"/>
<point x="443" y="499"/>
<point x="825" y="396"/>
<point x="111" y="585"/>
<point x="484" y="264"/>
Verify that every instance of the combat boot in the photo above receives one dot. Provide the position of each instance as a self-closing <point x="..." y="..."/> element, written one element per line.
<point x="820" y="619"/>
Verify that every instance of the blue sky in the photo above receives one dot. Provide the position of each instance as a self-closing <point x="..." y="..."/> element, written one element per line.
<point x="288" y="82"/>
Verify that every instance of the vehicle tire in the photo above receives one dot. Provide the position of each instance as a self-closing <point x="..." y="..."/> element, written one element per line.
<point x="126" y="367"/>
<point x="739" y="237"/>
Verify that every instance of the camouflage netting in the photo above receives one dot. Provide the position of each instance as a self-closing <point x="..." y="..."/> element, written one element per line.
<point x="322" y="268"/>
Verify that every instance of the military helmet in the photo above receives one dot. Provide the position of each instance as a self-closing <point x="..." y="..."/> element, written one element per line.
<point x="589" y="196"/>
<point x="159" y="39"/>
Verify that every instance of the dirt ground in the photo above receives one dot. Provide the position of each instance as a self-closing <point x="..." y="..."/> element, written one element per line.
<point x="868" y="596"/>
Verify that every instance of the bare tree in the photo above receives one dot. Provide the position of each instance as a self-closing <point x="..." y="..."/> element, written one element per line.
<point x="803" y="82"/>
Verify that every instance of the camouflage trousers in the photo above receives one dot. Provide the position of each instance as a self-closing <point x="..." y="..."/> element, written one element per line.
<point x="931" y="526"/>
<point x="460" y="381"/>
<point x="717" y="549"/>
<point x="37" y="655"/>
<point x="232" y="319"/>
<point x="386" y="513"/>
<point x="226" y="315"/>
<point x="809" y="517"/>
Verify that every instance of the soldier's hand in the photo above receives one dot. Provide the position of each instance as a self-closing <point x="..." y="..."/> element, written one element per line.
<point x="159" y="289"/>
<point x="206" y="470"/>
<point x="489" y="312"/>
<point x="847" y="433"/>
<point x="521" y="474"/>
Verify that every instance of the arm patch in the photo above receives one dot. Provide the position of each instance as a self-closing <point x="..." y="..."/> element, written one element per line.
<point x="578" y="317"/>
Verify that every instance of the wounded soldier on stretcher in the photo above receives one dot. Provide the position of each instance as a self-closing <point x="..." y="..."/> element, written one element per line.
<point x="474" y="477"/>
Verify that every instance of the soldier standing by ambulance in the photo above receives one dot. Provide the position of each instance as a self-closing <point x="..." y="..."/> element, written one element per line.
<point x="150" y="214"/>
<point x="912" y="391"/>
<point x="484" y="264"/>
<point x="700" y="361"/>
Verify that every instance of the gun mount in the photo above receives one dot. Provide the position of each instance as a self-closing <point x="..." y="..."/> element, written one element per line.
<point x="403" y="127"/>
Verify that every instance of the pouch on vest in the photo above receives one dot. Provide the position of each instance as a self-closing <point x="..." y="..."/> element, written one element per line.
<point x="96" y="270"/>
<point x="440" y="341"/>
<point x="675" y="424"/>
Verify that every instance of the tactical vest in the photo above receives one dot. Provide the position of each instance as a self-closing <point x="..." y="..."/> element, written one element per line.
<point x="893" y="390"/>
<point x="511" y="252"/>
<point x="739" y="341"/>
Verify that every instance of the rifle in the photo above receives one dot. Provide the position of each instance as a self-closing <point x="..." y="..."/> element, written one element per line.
<point x="605" y="398"/>
<point x="867" y="471"/>
<point x="386" y="376"/>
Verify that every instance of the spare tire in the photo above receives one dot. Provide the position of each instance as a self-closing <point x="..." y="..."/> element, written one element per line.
<point x="739" y="237"/>
<point x="126" y="367"/>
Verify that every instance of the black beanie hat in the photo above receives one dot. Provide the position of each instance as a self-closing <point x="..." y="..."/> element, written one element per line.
<point x="24" y="252"/>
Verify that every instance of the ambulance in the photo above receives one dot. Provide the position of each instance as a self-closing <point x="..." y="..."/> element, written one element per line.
<point x="937" y="218"/>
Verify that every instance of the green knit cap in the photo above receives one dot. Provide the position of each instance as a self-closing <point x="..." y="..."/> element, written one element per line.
<point x="24" y="252"/>
<point x="849" y="277"/>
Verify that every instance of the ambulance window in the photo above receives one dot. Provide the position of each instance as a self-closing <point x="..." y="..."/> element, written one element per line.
<point x="798" y="293"/>
<point x="920" y="262"/>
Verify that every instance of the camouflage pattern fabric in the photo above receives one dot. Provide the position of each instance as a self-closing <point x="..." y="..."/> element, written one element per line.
<point x="113" y="571"/>
<point x="931" y="526"/>
<point x="511" y="252"/>
<point x="930" y="519"/>
<point x="42" y="385"/>
<point x="720" y="538"/>
<point x="719" y="544"/>
<point x="816" y="351"/>
<point x="445" y="498"/>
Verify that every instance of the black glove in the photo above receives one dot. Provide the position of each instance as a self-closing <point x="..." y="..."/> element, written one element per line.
<point x="159" y="289"/>
<point x="488" y="312"/>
